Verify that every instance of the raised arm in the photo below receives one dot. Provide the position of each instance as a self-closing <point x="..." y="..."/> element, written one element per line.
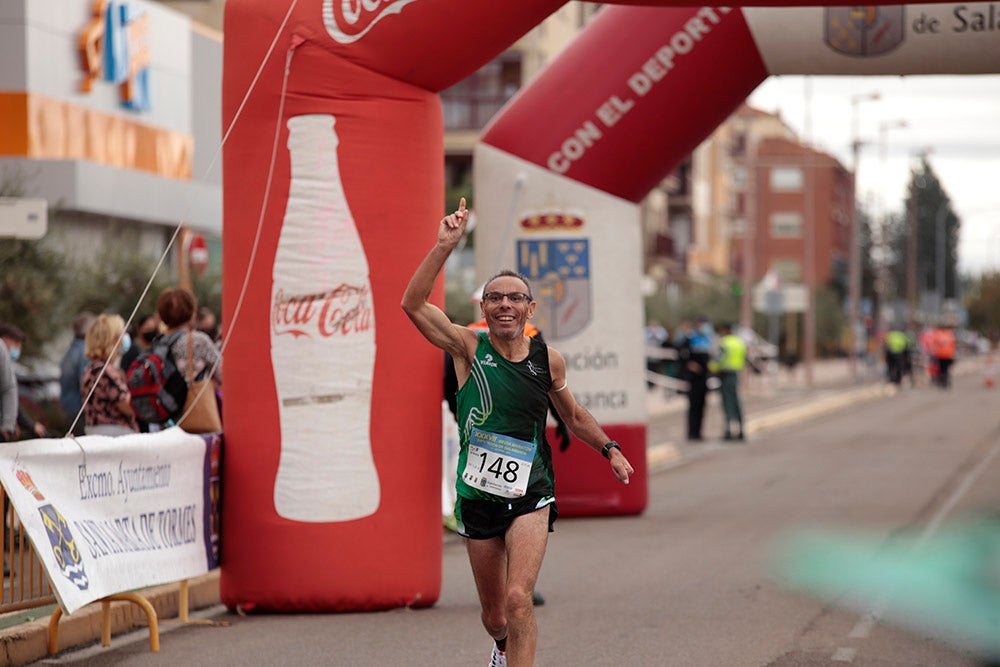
<point x="428" y="318"/>
<point x="580" y="421"/>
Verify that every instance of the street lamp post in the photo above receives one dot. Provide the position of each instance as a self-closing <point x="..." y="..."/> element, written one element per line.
<point x="854" y="258"/>
<point x="939" y="254"/>
<point x="882" y="283"/>
<point x="911" y="260"/>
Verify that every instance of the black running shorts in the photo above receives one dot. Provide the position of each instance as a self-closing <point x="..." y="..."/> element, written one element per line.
<point x="485" y="519"/>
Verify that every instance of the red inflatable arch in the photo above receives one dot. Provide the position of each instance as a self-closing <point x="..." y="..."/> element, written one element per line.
<point x="676" y="74"/>
<point x="333" y="180"/>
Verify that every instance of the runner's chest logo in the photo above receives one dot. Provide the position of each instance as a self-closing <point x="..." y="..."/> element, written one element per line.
<point x="488" y="361"/>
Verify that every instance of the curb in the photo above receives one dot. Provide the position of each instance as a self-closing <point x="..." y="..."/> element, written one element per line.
<point x="668" y="454"/>
<point x="815" y="408"/>
<point x="28" y="642"/>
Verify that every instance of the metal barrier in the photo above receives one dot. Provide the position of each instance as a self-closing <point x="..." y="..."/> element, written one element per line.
<point x="25" y="584"/>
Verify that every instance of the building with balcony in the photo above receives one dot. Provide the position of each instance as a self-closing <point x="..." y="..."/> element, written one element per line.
<point x="470" y="104"/>
<point x="757" y="193"/>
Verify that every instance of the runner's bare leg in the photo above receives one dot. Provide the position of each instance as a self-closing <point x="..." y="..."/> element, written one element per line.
<point x="510" y="600"/>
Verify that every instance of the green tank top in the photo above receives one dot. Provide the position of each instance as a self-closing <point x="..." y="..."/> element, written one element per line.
<point x="509" y="399"/>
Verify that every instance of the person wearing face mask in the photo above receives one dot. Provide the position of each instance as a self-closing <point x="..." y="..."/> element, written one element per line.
<point x="104" y="388"/>
<point x="8" y="393"/>
<point x="147" y="330"/>
<point x="13" y="338"/>
<point x="71" y="368"/>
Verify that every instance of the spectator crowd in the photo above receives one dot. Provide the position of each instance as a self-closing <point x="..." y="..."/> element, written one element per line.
<point x="94" y="391"/>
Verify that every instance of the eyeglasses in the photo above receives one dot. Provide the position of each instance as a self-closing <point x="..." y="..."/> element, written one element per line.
<point x="513" y="297"/>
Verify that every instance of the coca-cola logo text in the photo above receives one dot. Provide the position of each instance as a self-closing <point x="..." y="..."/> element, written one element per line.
<point x="343" y="311"/>
<point x="347" y="21"/>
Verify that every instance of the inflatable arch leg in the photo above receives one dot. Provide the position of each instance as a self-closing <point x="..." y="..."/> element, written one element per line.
<point x="329" y="504"/>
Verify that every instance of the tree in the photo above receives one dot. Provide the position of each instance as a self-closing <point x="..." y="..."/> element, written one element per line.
<point x="32" y="280"/>
<point x="866" y="243"/>
<point x="114" y="281"/>
<point x="32" y="292"/>
<point x="982" y="301"/>
<point x="937" y="234"/>
<point x="208" y="290"/>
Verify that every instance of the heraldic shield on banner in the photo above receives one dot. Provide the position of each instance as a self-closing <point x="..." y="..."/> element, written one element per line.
<point x="864" y="30"/>
<point x="559" y="270"/>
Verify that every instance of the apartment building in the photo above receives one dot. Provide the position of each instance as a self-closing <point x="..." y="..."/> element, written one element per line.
<point x="470" y="104"/>
<point x="758" y="194"/>
<point x="120" y="162"/>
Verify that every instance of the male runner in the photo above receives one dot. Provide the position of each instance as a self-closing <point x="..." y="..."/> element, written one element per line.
<point x="506" y="498"/>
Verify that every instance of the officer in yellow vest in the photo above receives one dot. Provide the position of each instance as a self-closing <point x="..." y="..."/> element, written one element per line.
<point x="732" y="360"/>
<point x="896" y="345"/>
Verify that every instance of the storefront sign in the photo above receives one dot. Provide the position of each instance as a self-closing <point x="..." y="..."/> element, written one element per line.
<point x="114" y="47"/>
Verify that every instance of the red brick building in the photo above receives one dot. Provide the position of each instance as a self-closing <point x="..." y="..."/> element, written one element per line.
<point x="797" y="200"/>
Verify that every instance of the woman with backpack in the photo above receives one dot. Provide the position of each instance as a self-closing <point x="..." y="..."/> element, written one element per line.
<point x="177" y="307"/>
<point x="107" y="411"/>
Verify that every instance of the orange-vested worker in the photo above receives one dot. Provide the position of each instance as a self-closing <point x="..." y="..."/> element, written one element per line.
<point x="943" y="346"/>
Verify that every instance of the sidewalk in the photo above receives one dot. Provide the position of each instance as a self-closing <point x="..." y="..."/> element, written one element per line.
<point x="27" y="642"/>
<point x="769" y="401"/>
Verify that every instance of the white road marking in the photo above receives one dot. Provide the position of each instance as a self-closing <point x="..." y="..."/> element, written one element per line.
<point x="844" y="654"/>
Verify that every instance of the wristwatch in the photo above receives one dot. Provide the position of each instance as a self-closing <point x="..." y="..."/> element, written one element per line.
<point x="606" y="449"/>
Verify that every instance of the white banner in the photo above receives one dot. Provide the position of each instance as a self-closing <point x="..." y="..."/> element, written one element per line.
<point x="109" y="515"/>
<point x="885" y="39"/>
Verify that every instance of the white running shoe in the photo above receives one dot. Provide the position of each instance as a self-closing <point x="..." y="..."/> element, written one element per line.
<point x="498" y="658"/>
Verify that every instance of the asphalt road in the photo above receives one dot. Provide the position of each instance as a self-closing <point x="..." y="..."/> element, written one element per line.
<point x="692" y="581"/>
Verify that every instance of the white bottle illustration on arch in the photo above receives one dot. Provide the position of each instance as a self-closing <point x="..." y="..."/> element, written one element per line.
<point x="322" y="340"/>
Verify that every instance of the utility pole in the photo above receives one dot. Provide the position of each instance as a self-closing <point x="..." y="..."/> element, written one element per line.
<point x="809" y="263"/>
<point x="183" y="265"/>
<point x="911" y="259"/>
<point x="854" y="265"/>
<point x="884" y="289"/>
<point x="749" y="233"/>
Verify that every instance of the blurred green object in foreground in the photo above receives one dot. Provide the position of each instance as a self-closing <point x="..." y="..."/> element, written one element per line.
<point x="947" y="585"/>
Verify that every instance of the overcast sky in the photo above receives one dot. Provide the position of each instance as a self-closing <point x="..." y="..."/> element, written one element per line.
<point x="955" y="118"/>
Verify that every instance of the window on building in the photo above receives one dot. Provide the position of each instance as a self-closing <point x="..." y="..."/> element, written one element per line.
<point x="740" y="177"/>
<point x="786" y="179"/>
<point x="786" y="225"/>
<point x="472" y="102"/>
<point x="788" y="270"/>
<point x="738" y="145"/>
<point x="740" y="203"/>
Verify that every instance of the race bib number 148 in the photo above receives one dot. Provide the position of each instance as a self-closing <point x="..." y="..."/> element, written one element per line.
<point x="498" y="464"/>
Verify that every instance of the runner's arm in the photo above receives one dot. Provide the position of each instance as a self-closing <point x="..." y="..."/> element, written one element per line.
<point x="428" y="318"/>
<point x="579" y="420"/>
